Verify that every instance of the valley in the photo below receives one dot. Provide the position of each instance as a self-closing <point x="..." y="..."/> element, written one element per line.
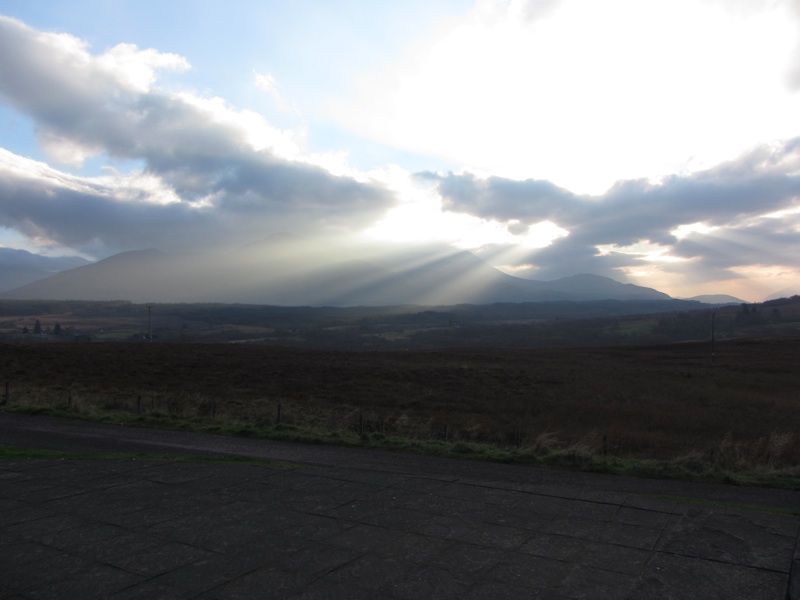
<point x="700" y="409"/>
<point x="400" y="327"/>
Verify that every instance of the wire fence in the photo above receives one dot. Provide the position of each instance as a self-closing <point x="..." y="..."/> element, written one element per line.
<point x="260" y="416"/>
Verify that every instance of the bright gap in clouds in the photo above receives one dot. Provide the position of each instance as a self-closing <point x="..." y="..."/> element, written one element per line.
<point x="419" y="217"/>
<point x="589" y="93"/>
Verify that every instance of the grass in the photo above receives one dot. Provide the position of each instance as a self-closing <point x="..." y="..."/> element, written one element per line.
<point x="654" y="412"/>
<point x="545" y="452"/>
<point x="13" y="453"/>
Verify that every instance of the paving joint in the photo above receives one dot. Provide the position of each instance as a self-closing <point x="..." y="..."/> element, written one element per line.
<point x="373" y="524"/>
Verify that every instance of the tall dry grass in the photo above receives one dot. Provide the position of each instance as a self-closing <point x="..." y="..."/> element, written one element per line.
<point x="664" y="403"/>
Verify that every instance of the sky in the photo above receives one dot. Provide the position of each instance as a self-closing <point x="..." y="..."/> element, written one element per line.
<point x="657" y="142"/>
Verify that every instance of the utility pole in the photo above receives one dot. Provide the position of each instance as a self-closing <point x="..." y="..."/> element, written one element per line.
<point x="713" y="316"/>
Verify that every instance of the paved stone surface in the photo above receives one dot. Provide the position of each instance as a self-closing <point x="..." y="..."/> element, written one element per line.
<point x="415" y="528"/>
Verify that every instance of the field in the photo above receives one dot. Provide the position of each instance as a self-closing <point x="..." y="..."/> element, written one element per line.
<point x="387" y="328"/>
<point x="738" y="410"/>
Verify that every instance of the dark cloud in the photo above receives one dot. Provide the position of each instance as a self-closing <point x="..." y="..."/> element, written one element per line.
<point x="197" y="149"/>
<point x="730" y="196"/>
<point x="766" y="242"/>
<point x="94" y="218"/>
<point x="528" y="201"/>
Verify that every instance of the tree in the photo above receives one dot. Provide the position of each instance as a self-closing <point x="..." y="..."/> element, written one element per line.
<point x="37" y="327"/>
<point x="57" y="329"/>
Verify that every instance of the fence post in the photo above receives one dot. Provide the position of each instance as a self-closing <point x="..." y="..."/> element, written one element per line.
<point x="138" y="405"/>
<point x="279" y="414"/>
<point x="69" y="397"/>
<point x="361" y="424"/>
<point x="5" y="397"/>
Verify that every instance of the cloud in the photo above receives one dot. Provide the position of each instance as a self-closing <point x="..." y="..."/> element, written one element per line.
<point x="97" y="215"/>
<point x="266" y="83"/>
<point x="765" y="241"/>
<point x="595" y="93"/>
<point x="533" y="10"/>
<point x="503" y="199"/>
<point x="636" y="221"/>
<point x="793" y="70"/>
<point x="210" y="173"/>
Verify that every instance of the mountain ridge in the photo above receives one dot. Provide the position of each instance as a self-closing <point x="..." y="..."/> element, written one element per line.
<point x="717" y="299"/>
<point x="20" y="267"/>
<point x="291" y="271"/>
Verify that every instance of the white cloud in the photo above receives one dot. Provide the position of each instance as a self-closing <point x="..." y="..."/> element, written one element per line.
<point x="207" y="173"/>
<point x="137" y="69"/>
<point x="246" y="125"/>
<point x="266" y="83"/>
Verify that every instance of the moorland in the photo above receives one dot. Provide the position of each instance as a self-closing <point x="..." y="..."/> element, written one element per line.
<point x="482" y="382"/>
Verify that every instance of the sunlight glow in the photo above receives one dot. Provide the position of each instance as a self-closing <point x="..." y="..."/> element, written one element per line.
<point x="766" y="279"/>
<point x="420" y="217"/>
<point x="542" y="234"/>
<point x="593" y="107"/>
<point x="643" y="250"/>
<point x="782" y="214"/>
<point x="139" y="186"/>
<point x="686" y="230"/>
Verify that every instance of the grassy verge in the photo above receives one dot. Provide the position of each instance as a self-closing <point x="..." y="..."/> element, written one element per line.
<point x="544" y="451"/>
<point x="13" y="453"/>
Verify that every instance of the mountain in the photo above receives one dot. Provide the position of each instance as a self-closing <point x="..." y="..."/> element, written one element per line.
<point x="717" y="299"/>
<point x="596" y="287"/>
<point x="784" y="293"/>
<point x="20" y="267"/>
<point x="291" y="271"/>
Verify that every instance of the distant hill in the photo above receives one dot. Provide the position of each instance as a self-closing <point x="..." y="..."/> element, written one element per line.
<point x="596" y="287"/>
<point x="784" y="293"/>
<point x="20" y="267"/>
<point x="717" y="299"/>
<point x="291" y="271"/>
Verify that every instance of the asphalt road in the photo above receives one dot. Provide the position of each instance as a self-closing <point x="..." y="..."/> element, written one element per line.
<point x="42" y="432"/>
<point x="331" y="522"/>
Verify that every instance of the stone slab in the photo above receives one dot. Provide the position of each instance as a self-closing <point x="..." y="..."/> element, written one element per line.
<point x="363" y="528"/>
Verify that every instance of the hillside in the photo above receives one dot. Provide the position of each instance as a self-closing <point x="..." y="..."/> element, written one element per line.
<point x="20" y="267"/>
<point x="289" y="271"/>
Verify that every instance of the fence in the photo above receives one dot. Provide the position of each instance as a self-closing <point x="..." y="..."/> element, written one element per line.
<point x="265" y="416"/>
